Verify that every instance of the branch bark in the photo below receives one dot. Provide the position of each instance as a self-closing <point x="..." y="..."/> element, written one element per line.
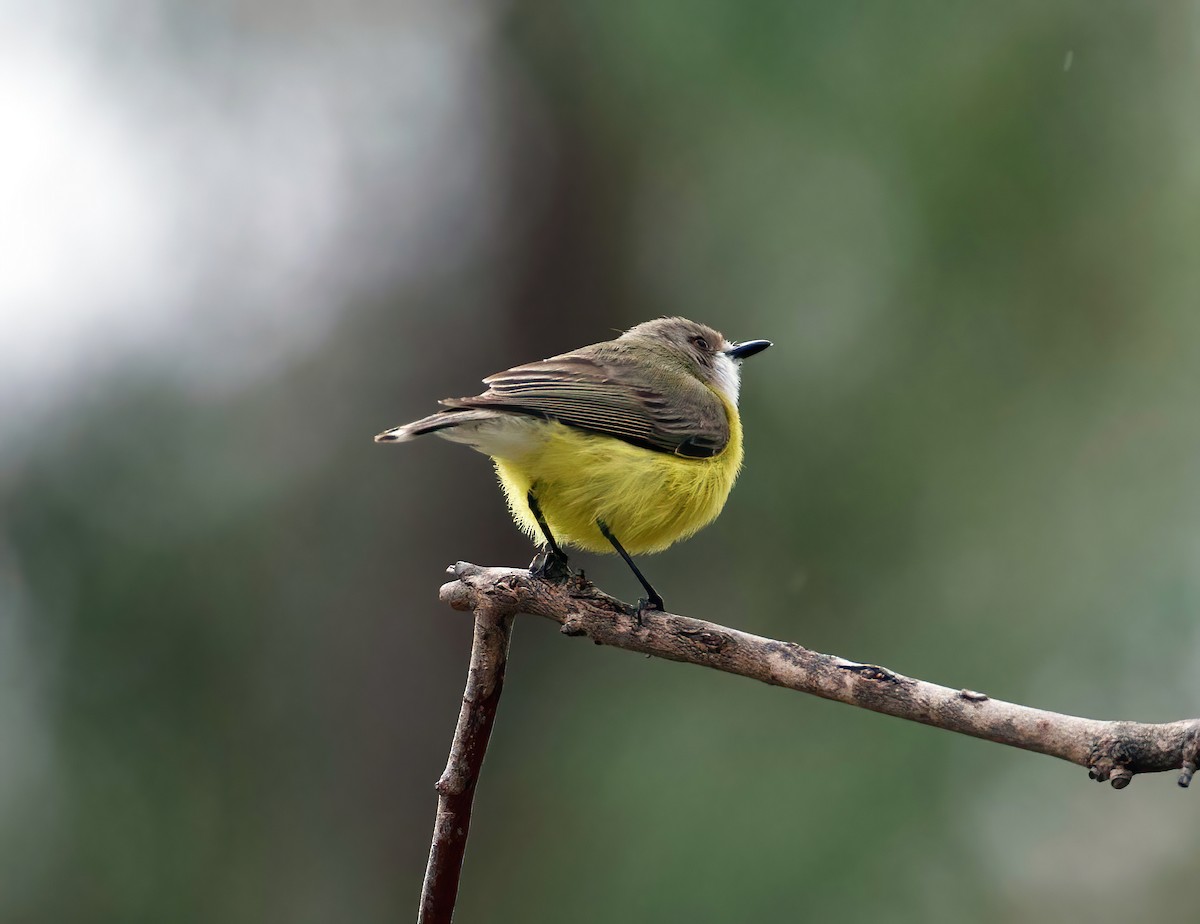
<point x="456" y="787"/>
<point x="1112" y="751"/>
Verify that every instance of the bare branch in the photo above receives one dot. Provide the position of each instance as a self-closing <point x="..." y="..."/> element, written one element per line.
<point x="456" y="787"/>
<point x="1111" y="751"/>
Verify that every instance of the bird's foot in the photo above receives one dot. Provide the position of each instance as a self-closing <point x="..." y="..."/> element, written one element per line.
<point x="651" y="604"/>
<point x="551" y="565"/>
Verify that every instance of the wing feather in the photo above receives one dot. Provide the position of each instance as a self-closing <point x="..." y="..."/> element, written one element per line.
<point x="604" y="392"/>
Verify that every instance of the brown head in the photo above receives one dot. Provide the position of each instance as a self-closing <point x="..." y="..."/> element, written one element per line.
<point x="702" y="350"/>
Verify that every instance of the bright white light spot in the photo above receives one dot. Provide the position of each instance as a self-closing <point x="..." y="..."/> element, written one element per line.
<point x="206" y="216"/>
<point x="77" y="217"/>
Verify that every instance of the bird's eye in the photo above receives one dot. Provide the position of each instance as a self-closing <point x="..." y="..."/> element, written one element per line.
<point x="701" y="343"/>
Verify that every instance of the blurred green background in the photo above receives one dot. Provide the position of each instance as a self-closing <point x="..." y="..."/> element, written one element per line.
<point x="241" y="238"/>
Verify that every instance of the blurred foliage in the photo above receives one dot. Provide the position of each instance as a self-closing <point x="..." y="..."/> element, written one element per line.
<point x="971" y="457"/>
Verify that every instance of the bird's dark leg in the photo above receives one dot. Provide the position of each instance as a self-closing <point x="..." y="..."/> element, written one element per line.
<point x="551" y="564"/>
<point x="652" y="601"/>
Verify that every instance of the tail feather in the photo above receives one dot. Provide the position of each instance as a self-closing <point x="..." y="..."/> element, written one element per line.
<point x="443" y="420"/>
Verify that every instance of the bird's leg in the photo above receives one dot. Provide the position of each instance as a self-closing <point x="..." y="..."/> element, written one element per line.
<point x="551" y="564"/>
<point x="652" y="601"/>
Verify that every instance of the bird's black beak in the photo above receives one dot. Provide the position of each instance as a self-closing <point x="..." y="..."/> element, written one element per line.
<point x="749" y="348"/>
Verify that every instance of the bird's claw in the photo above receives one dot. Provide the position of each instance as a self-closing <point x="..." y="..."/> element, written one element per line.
<point x="646" y="605"/>
<point x="551" y="565"/>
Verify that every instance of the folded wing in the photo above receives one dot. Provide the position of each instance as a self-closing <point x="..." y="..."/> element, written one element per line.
<point x="606" y="394"/>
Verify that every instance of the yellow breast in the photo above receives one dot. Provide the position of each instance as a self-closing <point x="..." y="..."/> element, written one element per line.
<point x="648" y="499"/>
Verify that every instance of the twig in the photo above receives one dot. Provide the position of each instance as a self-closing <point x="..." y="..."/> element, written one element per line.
<point x="1111" y="751"/>
<point x="456" y="787"/>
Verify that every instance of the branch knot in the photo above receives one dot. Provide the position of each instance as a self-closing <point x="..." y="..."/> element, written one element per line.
<point x="703" y="637"/>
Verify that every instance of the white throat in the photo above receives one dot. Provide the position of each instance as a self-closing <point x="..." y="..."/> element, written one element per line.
<point x="727" y="377"/>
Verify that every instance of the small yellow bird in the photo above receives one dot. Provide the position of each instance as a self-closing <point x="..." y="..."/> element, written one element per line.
<point x="627" y="445"/>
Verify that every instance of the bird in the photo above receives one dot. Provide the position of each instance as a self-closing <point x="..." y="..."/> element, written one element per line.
<point x="625" y="446"/>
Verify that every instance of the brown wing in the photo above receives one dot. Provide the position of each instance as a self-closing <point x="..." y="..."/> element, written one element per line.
<point x="604" y="394"/>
